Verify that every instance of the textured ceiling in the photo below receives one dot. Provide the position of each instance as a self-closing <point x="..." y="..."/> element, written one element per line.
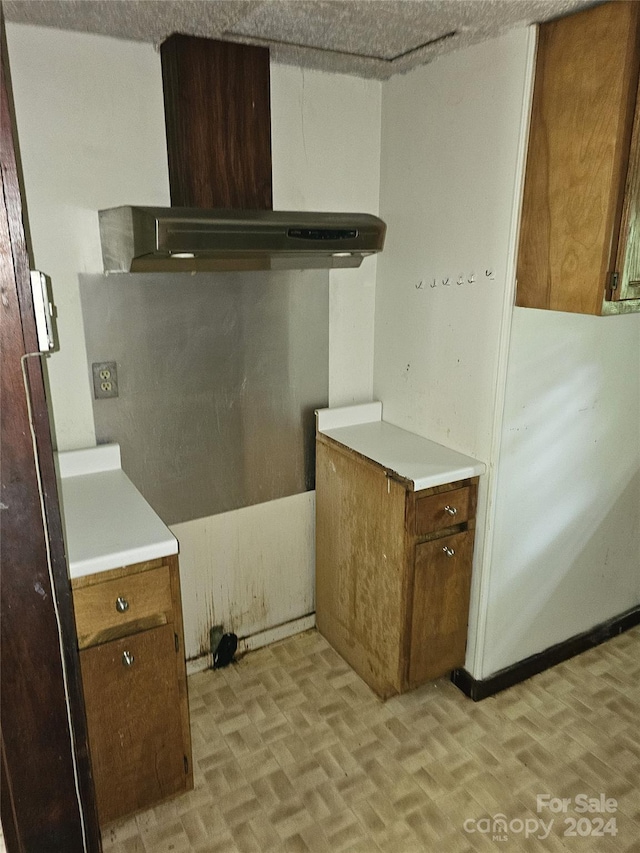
<point x="371" y="38"/>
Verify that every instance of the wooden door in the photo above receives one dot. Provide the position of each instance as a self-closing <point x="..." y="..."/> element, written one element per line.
<point x="135" y="724"/>
<point x="48" y="801"/>
<point x="440" y="612"/>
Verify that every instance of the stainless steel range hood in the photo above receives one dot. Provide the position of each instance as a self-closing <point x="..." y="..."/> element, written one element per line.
<point x="180" y="239"/>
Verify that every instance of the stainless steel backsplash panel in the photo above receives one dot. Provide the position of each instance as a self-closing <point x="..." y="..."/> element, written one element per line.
<point x="218" y="377"/>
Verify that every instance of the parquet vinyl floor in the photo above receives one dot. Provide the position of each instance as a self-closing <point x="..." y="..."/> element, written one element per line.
<point x="292" y="752"/>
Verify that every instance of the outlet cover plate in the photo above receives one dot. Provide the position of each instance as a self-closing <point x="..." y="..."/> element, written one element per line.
<point x="105" y="379"/>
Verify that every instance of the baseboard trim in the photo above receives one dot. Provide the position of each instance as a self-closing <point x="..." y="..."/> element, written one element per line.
<point x="278" y="632"/>
<point x="257" y="641"/>
<point x="478" y="689"/>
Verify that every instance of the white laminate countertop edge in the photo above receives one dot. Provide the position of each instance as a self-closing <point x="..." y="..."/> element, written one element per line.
<point x="108" y="524"/>
<point x="343" y="416"/>
<point x="89" y="460"/>
<point x="423" y="462"/>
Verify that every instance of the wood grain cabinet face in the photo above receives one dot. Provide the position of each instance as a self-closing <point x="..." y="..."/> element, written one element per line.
<point x="442" y="581"/>
<point x="111" y="609"/>
<point x="393" y="570"/>
<point x="442" y="510"/>
<point x="130" y="636"/>
<point x="579" y="235"/>
<point x="133" y="714"/>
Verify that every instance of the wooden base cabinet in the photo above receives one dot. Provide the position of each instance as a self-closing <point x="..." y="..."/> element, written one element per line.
<point x="133" y="673"/>
<point x="393" y="569"/>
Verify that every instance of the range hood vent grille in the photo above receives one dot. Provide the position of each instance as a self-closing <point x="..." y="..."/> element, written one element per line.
<point x="179" y="239"/>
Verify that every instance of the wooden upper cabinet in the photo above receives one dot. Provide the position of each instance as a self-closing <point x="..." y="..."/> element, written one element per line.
<point x="628" y="255"/>
<point x="578" y="241"/>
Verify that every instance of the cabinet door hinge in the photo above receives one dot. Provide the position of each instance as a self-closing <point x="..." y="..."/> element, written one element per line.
<point x="613" y="282"/>
<point x="186" y="765"/>
<point x="176" y="640"/>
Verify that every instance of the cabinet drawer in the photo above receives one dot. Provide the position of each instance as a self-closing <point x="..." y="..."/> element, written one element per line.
<point x="443" y="510"/>
<point x="105" y="611"/>
<point x="133" y="720"/>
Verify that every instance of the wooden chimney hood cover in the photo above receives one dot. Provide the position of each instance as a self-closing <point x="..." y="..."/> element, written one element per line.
<point x="218" y="123"/>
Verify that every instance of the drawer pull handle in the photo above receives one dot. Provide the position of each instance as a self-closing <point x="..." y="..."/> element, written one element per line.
<point x="122" y="605"/>
<point x="451" y="510"/>
<point x="127" y="659"/>
<point x="448" y="551"/>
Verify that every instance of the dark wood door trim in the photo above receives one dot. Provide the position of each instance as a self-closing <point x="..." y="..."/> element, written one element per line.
<point x="48" y="801"/>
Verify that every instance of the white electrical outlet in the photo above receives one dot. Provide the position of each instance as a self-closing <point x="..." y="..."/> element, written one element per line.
<point x="105" y="379"/>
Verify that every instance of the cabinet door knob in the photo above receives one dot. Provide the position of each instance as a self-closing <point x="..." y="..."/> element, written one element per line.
<point x="122" y="605"/>
<point x="127" y="659"/>
<point x="451" y="510"/>
<point x="448" y="551"/>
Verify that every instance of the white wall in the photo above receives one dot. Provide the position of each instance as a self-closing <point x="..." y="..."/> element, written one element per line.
<point x="250" y="570"/>
<point x="453" y="142"/>
<point x="326" y="156"/>
<point x="451" y="134"/>
<point x="566" y="552"/>
<point x="91" y="130"/>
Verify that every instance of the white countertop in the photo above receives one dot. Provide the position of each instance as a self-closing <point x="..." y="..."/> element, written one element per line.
<point x="414" y="458"/>
<point x="108" y="524"/>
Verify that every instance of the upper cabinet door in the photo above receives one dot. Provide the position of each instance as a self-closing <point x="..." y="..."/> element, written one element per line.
<point x="627" y="266"/>
<point x="577" y="163"/>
